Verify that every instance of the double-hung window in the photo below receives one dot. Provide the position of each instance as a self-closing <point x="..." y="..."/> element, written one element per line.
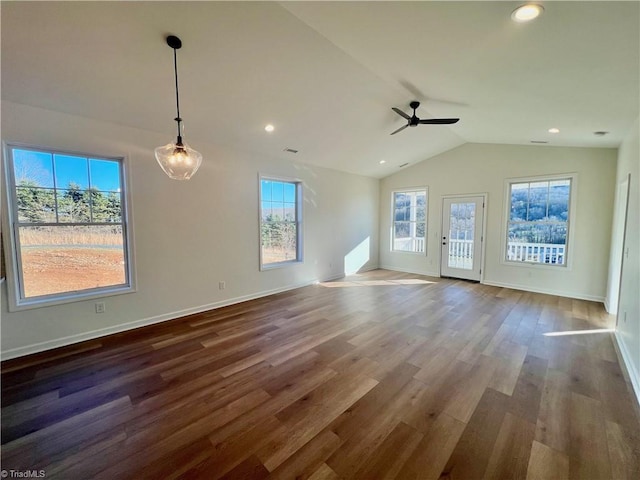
<point x="280" y="222"/>
<point x="69" y="237"/>
<point x="538" y="224"/>
<point x="409" y="230"/>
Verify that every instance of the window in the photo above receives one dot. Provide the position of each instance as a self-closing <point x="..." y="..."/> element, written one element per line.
<point x="409" y="231"/>
<point x="280" y="222"/>
<point x="69" y="236"/>
<point x="538" y="225"/>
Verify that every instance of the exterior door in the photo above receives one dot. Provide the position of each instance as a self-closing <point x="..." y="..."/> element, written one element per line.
<point x="462" y="223"/>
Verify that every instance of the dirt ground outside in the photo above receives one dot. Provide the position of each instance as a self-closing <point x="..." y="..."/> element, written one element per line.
<point x="275" y="255"/>
<point x="48" y="270"/>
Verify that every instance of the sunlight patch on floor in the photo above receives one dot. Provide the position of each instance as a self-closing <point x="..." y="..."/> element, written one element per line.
<point x="579" y="332"/>
<point x="368" y="283"/>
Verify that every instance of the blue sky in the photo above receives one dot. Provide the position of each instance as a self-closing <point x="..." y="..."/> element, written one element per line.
<point x="274" y="191"/>
<point x="39" y="167"/>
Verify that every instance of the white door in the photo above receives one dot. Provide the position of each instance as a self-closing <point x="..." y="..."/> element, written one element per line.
<point x="461" y="239"/>
<point x="617" y="246"/>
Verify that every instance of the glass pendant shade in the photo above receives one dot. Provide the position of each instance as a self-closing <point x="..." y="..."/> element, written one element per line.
<point x="179" y="161"/>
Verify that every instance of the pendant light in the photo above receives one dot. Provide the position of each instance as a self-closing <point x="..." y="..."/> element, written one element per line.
<point x="178" y="160"/>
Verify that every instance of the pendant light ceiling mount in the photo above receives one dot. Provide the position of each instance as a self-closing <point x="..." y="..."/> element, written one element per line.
<point x="178" y="160"/>
<point x="174" y="42"/>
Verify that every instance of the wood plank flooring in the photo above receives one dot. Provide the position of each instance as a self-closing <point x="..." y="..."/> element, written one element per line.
<point x="378" y="376"/>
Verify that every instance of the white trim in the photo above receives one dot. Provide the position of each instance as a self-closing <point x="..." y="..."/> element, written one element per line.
<point x="607" y="306"/>
<point x="362" y="270"/>
<point x="424" y="189"/>
<point x="483" y="232"/>
<point x="568" y="265"/>
<point x="415" y="271"/>
<point x="101" y="332"/>
<point x="299" y="184"/>
<point x="634" y="375"/>
<point x="10" y="224"/>
<point x="624" y="211"/>
<point x="557" y="293"/>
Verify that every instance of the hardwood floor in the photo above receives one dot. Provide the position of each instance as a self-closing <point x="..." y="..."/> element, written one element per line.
<point x="382" y="375"/>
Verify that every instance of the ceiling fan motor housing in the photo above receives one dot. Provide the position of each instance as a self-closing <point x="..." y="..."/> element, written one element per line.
<point x="414" y="121"/>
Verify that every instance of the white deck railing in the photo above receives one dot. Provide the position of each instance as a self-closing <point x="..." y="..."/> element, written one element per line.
<point x="549" y="253"/>
<point x="409" y="244"/>
<point x="462" y="250"/>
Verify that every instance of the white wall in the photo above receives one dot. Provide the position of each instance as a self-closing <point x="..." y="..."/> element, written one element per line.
<point x="483" y="168"/>
<point x="191" y="235"/>
<point x="628" y="329"/>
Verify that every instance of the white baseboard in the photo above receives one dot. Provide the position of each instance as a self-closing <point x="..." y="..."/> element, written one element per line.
<point x="416" y="271"/>
<point x="607" y="307"/>
<point x="102" y="332"/>
<point x="362" y="270"/>
<point x="558" y="293"/>
<point x="634" y="375"/>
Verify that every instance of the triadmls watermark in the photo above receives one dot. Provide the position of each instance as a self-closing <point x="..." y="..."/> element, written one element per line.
<point x="23" y="473"/>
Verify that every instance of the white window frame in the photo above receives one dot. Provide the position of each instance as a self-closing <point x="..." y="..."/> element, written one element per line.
<point x="11" y="242"/>
<point x="568" y="260"/>
<point x="298" y="221"/>
<point x="393" y="219"/>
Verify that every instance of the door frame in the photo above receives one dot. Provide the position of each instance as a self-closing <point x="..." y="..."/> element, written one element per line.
<point x="485" y="199"/>
<point x="619" y="261"/>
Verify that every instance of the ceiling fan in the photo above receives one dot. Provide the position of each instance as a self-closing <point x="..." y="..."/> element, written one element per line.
<point x="414" y="121"/>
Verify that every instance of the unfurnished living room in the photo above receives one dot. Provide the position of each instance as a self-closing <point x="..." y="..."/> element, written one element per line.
<point x="320" y="240"/>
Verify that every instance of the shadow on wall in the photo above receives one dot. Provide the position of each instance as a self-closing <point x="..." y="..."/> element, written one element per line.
<point x="358" y="257"/>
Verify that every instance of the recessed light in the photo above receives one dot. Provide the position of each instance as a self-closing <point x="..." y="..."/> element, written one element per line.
<point x="554" y="130"/>
<point x="527" y="12"/>
<point x="382" y="161"/>
<point x="269" y="128"/>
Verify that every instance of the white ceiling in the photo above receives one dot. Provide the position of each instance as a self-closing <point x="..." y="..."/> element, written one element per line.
<point x="326" y="74"/>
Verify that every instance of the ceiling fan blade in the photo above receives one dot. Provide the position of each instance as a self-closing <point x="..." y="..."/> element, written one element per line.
<point x="400" y="112"/>
<point x="439" y="121"/>
<point x="401" y="128"/>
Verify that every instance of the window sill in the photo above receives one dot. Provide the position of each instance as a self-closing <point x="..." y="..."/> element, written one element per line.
<point x="30" y="304"/>
<point x="423" y="254"/>
<point x="272" y="266"/>
<point x="536" y="265"/>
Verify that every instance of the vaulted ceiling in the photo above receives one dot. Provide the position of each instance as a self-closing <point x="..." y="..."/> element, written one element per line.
<point x="326" y="74"/>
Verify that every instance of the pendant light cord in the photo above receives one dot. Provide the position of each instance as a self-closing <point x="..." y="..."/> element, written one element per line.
<point x="177" y="119"/>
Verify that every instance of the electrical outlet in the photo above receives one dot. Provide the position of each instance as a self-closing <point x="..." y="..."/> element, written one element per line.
<point x="222" y="285"/>
<point x="100" y="308"/>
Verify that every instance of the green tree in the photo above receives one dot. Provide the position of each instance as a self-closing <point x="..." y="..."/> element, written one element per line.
<point x="113" y="207"/>
<point x="73" y="205"/>
<point x="35" y="204"/>
<point x="279" y="235"/>
<point x="98" y="204"/>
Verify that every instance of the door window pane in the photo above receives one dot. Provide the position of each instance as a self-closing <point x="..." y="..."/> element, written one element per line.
<point x="461" y="228"/>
